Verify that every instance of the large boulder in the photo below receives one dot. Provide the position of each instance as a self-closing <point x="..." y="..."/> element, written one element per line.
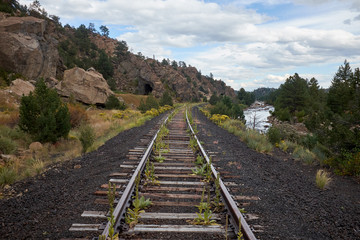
<point x="20" y="87"/>
<point x="88" y="86"/>
<point x="25" y="48"/>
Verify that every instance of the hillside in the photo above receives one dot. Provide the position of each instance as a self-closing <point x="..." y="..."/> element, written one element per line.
<point x="39" y="47"/>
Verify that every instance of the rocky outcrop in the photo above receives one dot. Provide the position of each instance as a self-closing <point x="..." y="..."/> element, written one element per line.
<point x="88" y="86"/>
<point x="20" y="87"/>
<point x="29" y="46"/>
<point x="26" y="48"/>
<point x="144" y="76"/>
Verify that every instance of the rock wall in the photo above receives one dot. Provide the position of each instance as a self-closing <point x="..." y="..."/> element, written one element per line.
<point x="26" y="48"/>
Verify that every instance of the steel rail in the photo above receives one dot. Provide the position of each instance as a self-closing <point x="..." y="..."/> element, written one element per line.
<point x="235" y="213"/>
<point x="125" y="197"/>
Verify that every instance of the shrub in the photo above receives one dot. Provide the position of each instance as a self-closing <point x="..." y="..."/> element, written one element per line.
<point x="43" y="115"/>
<point x="303" y="154"/>
<point x="10" y="119"/>
<point x="233" y="125"/>
<point x="219" y="119"/>
<point x="322" y="179"/>
<point x="150" y="103"/>
<point x="166" y="99"/>
<point x="205" y="112"/>
<point x="153" y="112"/>
<point x="300" y="115"/>
<point x="7" y="175"/>
<point x="87" y="137"/>
<point x="77" y="115"/>
<point x="321" y="153"/>
<point x="7" y="146"/>
<point x="348" y="163"/>
<point x="274" y="135"/>
<point x="309" y="141"/>
<point x="38" y="166"/>
<point x="283" y="145"/>
<point x="113" y="103"/>
<point x="257" y="141"/>
<point x="283" y="114"/>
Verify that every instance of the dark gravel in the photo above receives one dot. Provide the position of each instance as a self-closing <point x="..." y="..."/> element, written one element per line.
<point x="47" y="205"/>
<point x="290" y="205"/>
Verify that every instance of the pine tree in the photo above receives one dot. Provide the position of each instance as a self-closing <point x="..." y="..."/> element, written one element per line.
<point x="166" y="99"/>
<point x="43" y="115"/>
<point x="340" y="90"/>
<point x="293" y="94"/>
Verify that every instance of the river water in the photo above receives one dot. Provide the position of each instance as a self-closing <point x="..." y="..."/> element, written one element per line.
<point x="256" y="116"/>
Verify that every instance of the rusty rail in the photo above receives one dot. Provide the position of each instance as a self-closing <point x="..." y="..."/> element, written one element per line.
<point x="234" y="211"/>
<point x="120" y="208"/>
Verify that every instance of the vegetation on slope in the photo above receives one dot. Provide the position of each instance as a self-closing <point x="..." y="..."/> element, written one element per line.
<point x="332" y="116"/>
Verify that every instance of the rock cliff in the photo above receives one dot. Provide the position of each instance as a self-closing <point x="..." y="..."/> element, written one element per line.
<point x="27" y="48"/>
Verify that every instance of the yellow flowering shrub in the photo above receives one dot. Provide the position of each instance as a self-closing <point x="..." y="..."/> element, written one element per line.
<point x="153" y="112"/>
<point x="218" y="118"/>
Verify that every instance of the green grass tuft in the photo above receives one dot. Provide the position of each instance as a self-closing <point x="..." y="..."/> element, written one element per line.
<point x="322" y="179"/>
<point x="7" y="176"/>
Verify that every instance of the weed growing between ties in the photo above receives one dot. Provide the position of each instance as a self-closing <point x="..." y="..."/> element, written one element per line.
<point x="322" y="179"/>
<point x="160" y="146"/>
<point x="133" y="215"/>
<point x="217" y="204"/>
<point x="226" y="226"/>
<point x="205" y="214"/>
<point x="240" y="235"/>
<point x="150" y="177"/>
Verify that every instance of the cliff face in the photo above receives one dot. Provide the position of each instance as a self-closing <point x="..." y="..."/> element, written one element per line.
<point x="29" y="46"/>
<point x="26" y="47"/>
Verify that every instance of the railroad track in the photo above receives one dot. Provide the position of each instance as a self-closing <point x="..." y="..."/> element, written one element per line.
<point x="185" y="197"/>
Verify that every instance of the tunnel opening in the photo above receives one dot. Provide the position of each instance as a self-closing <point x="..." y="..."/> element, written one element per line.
<point x="147" y="89"/>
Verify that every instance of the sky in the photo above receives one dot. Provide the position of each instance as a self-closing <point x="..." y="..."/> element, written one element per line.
<point x="246" y="43"/>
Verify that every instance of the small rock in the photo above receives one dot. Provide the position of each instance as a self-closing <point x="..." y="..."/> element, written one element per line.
<point x="77" y="166"/>
<point x="35" y="146"/>
<point x="5" y="157"/>
<point x="51" y="82"/>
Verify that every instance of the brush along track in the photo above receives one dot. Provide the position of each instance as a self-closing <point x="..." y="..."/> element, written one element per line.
<point x="175" y="194"/>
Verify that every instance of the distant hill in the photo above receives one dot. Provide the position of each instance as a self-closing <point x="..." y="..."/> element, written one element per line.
<point x="262" y="94"/>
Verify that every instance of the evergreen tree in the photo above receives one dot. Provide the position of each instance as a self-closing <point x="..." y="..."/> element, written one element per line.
<point x="104" y="31"/>
<point x="43" y="115"/>
<point x="104" y="65"/>
<point x="166" y="99"/>
<point x="164" y="62"/>
<point x="121" y="49"/>
<point x="340" y="90"/>
<point x="151" y="102"/>
<point x="113" y="103"/>
<point x="174" y="64"/>
<point x="213" y="99"/>
<point x="293" y="94"/>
